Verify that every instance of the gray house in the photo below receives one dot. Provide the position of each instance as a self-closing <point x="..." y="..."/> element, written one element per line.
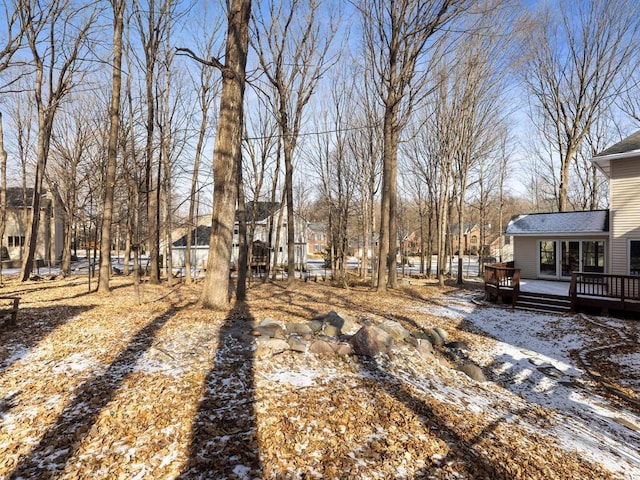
<point x="552" y="245"/>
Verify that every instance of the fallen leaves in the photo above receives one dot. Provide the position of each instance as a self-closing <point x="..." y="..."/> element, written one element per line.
<point x="107" y="387"/>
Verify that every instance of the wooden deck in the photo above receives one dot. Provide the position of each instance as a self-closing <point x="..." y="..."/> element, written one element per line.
<point x="605" y="291"/>
<point x="599" y="291"/>
<point x="502" y="282"/>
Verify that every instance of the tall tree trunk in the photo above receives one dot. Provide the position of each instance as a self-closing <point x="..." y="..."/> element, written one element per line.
<point x="112" y="149"/>
<point x="192" y="222"/>
<point x="288" y="186"/>
<point x="3" y="193"/>
<point x="243" y="248"/>
<point x="227" y="148"/>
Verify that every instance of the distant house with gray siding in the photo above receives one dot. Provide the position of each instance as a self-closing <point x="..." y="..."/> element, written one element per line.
<point x="552" y="245"/>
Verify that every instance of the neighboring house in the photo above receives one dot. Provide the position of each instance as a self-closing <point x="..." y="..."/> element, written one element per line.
<point x="411" y="243"/>
<point x="552" y="245"/>
<point x="470" y="241"/>
<point x="50" y="229"/>
<point x="357" y="248"/>
<point x="266" y="215"/>
<point x="499" y="249"/>
<point x="316" y="238"/>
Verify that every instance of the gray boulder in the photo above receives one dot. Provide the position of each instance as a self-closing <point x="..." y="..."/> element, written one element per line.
<point x="321" y="347"/>
<point x="397" y="331"/>
<point x="269" y="321"/>
<point x="457" y="345"/>
<point x="271" y="331"/>
<point x="315" y="325"/>
<point x="299" y="328"/>
<point x="297" y="344"/>
<point x="435" y="338"/>
<point x="370" y="341"/>
<point x="473" y="371"/>
<point x="443" y="335"/>
<point x="343" y="349"/>
<point x="270" y="346"/>
<point x="341" y="321"/>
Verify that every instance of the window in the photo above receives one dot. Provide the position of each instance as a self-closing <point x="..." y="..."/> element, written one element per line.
<point x="474" y="240"/>
<point x="634" y="257"/>
<point x="548" y="257"/>
<point x="593" y="256"/>
<point x="15" y="241"/>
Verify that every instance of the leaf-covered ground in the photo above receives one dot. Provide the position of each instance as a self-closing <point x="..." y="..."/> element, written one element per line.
<point x="150" y="385"/>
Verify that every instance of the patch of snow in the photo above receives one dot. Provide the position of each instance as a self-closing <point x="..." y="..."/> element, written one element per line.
<point x="242" y="471"/>
<point x="73" y="364"/>
<point x="297" y="379"/>
<point x="18" y="353"/>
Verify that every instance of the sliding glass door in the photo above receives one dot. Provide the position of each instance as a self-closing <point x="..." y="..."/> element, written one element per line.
<point x="559" y="258"/>
<point x="570" y="257"/>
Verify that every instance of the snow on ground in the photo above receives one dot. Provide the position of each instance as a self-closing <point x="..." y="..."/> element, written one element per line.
<point x="532" y="358"/>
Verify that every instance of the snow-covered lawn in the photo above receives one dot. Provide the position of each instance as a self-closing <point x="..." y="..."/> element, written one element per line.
<point x="534" y="356"/>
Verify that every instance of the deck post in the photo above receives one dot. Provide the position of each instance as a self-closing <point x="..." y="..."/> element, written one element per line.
<point x="573" y="294"/>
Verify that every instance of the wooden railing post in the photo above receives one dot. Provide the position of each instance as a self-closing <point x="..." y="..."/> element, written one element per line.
<point x="573" y="290"/>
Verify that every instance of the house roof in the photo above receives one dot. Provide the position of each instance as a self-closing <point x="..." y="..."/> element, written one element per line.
<point x="199" y="237"/>
<point x="467" y="228"/>
<point x="15" y="198"/>
<point x="263" y="210"/>
<point x="588" y="222"/>
<point x="628" y="147"/>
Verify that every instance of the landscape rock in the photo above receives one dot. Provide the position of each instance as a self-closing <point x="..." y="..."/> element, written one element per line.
<point x="297" y="344"/>
<point x="435" y="338"/>
<point x="343" y="349"/>
<point x="443" y="335"/>
<point x="425" y="349"/>
<point x="272" y="330"/>
<point x="395" y="329"/>
<point x="341" y="321"/>
<point x="321" y="347"/>
<point x="270" y="346"/>
<point x="266" y="321"/>
<point x="299" y="328"/>
<point x="473" y="371"/>
<point x="315" y="325"/>
<point x="331" y="330"/>
<point x="457" y="345"/>
<point x="371" y="341"/>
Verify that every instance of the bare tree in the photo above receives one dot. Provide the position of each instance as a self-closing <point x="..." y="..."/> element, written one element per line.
<point x="112" y="149"/>
<point x="575" y="58"/>
<point x="396" y="36"/>
<point x="72" y="141"/>
<point x="152" y="20"/>
<point x="3" y="193"/>
<point x="56" y="33"/>
<point x="207" y="86"/>
<point x="292" y="41"/>
<point x="227" y="154"/>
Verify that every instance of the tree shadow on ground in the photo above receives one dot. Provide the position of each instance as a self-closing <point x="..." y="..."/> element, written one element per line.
<point x="61" y="441"/>
<point x="224" y="440"/>
<point x="32" y="325"/>
<point x="460" y="449"/>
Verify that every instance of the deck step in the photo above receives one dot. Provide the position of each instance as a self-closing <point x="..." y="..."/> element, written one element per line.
<point x="543" y="302"/>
